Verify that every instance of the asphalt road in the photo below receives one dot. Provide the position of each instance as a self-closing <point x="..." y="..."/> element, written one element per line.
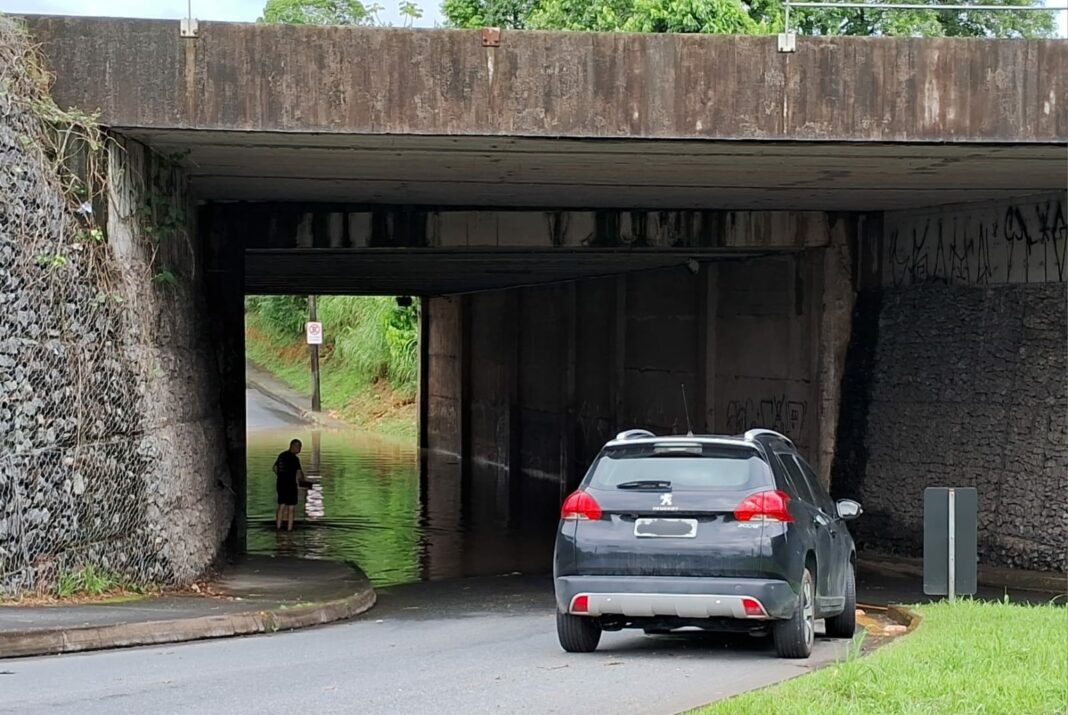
<point x="465" y="646"/>
<point x="263" y="413"/>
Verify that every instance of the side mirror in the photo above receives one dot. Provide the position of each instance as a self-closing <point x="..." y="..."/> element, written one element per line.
<point x="849" y="509"/>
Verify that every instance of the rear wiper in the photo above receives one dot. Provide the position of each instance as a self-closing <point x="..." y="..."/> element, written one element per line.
<point x="645" y="484"/>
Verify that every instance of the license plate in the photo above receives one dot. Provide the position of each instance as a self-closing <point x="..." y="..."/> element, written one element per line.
<point x="665" y="528"/>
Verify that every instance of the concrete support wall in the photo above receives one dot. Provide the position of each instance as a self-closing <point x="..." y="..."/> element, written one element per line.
<point x="555" y="371"/>
<point x="245" y="77"/>
<point x="444" y="353"/>
<point x="169" y="340"/>
<point x="766" y="348"/>
<point x="114" y="450"/>
<point x="956" y="377"/>
<point x="316" y="225"/>
<point x="1013" y="241"/>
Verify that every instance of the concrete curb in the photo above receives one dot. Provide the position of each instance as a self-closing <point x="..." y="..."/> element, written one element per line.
<point x="53" y="641"/>
<point x="987" y="576"/>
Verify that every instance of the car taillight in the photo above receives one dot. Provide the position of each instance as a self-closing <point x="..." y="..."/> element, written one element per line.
<point x="581" y="604"/>
<point x="764" y="506"/>
<point x="752" y="607"/>
<point x="580" y="505"/>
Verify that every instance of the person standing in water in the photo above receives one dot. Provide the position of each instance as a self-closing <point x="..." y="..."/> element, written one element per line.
<point x="288" y="473"/>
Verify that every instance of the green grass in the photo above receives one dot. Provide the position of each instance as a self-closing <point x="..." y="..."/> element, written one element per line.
<point x="359" y="395"/>
<point x="966" y="658"/>
<point x="91" y="581"/>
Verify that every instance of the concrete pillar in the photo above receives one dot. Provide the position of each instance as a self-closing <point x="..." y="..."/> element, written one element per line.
<point x="443" y="374"/>
<point x="703" y="408"/>
<point x="513" y="320"/>
<point x="465" y="397"/>
<point x="424" y="374"/>
<point x="225" y="286"/>
<point x="835" y="316"/>
<point x="619" y="354"/>
<point x="569" y="347"/>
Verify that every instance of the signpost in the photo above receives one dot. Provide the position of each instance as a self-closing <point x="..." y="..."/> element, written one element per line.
<point x="950" y="541"/>
<point x="313" y="331"/>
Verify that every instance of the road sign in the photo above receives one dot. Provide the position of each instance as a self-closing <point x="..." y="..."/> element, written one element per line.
<point x="950" y="544"/>
<point x="314" y="332"/>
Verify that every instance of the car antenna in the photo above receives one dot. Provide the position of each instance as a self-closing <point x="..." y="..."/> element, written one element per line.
<point x="686" y="409"/>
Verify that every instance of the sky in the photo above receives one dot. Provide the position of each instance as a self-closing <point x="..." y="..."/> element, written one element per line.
<point x="225" y="10"/>
<point x="248" y="10"/>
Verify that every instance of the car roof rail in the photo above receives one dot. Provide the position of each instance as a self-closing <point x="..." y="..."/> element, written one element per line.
<point x="752" y="434"/>
<point x="634" y="434"/>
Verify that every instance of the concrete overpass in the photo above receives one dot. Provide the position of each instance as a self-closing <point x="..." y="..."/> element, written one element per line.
<point x="595" y="219"/>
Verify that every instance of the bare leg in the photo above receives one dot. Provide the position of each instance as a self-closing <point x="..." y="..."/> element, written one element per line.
<point x="289" y="512"/>
<point x="278" y="517"/>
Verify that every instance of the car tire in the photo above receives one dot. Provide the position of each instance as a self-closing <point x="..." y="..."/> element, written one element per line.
<point x="794" y="637"/>
<point x="577" y="634"/>
<point x="844" y="625"/>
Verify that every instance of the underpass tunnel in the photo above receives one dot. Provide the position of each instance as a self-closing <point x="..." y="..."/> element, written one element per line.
<point x="549" y="325"/>
<point x="531" y="358"/>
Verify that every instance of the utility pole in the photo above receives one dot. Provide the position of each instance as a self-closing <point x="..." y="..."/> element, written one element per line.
<point x="313" y="348"/>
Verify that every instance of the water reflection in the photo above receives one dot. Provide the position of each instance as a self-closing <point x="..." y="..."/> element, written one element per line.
<point x="400" y="517"/>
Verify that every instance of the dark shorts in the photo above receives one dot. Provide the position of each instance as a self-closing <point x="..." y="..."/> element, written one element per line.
<point x="287" y="492"/>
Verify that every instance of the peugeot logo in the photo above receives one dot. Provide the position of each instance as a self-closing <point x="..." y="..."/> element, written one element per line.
<point x="665" y="500"/>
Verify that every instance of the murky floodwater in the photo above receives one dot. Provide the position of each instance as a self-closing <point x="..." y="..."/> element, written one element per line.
<point x="399" y="519"/>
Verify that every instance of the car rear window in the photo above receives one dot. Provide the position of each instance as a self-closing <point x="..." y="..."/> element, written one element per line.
<point x="686" y="466"/>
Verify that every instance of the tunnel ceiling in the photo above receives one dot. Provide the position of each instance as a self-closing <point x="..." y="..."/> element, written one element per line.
<point x="378" y="271"/>
<point x="651" y="174"/>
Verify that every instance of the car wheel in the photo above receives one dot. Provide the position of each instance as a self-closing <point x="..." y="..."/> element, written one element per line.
<point x="844" y="625"/>
<point x="577" y="634"/>
<point x="794" y="637"/>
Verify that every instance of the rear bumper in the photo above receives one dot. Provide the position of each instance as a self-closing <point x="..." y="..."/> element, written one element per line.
<point x="671" y="596"/>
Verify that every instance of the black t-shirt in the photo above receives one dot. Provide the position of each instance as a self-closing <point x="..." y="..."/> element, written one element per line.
<point x="288" y="465"/>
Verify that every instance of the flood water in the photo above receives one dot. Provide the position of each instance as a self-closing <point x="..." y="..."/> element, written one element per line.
<point x="398" y="516"/>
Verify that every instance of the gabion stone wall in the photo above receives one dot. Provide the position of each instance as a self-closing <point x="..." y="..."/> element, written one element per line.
<point x="91" y="450"/>
<point x="960" y="385"/>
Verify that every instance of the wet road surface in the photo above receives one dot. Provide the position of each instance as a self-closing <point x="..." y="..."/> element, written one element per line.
<point x="263" y="413"/>
<point x="481" y="645"/>
<point x="399" y="518"/>
<point x="451" y="632"/>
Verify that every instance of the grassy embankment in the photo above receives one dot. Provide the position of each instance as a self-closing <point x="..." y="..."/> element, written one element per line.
<point x="969" y="658"/>
<point x="368" y="364"/>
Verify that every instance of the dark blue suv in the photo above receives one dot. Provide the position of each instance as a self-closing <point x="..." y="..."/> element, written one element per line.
<point x="717" y="532"/>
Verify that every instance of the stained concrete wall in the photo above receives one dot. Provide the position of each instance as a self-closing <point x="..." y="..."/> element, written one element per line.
<point x="244" y="77"/>
<point x="956" y="377"/>
<point x="1023" y="240"/>
<point x="442" y="373"/>
<point x="556" y="371"/>
<point x="766" y="348"/>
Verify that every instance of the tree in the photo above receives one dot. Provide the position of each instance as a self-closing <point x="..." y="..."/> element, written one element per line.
<point x="744" y="17"/>
<point x="928" y="23"/>
<point x="512" y="14"/>
<point x="333" y="12"/>
<point x="320" y="12"/>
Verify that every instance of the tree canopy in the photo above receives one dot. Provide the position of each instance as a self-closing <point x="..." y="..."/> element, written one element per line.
<point x="709" y="16"/>
<point x="738" y="17"/>
<point x="332" y="12"/>
<point x="320" y="12"/>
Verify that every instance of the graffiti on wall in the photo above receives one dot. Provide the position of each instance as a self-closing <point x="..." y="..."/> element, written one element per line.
<point x="777" y="412"/>
<point x="1016" y="243"/>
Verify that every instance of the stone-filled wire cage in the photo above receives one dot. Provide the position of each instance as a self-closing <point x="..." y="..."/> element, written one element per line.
<point x="72" y="465"/>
